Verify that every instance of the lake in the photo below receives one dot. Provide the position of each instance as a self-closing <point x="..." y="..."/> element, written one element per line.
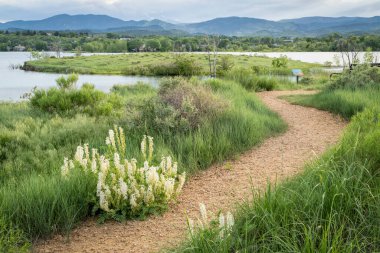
<point x="15" y="82"/>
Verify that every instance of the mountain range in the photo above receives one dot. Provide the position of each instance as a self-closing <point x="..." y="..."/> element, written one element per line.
<point x="230" y="26"/>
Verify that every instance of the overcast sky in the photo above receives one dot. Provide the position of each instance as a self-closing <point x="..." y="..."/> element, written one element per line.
<point x="187" y="10"/>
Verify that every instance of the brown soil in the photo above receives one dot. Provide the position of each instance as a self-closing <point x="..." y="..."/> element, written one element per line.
<point x="220" y="187"/>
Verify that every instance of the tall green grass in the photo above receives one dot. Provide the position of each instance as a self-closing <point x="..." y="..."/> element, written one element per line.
<point x="346" y="102"/>
<point x="33" y="144"/>
<point x="334" y="206"/>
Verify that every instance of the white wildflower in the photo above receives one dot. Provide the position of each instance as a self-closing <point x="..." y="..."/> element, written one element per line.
<point x="111" y="135"/>
<point x="65" y="167"/>
<point x="71" y="165"/>
<point x="150" y="140"/>
<point x="146" y="165"/>
<point x="132" y="201"/>
<point x="93" y="165"/>
<point x="230" y="221"/>
<point x="123" y="188"/>
<point x="169" y="188"/>
<point x="99" y="185"/>
<point x="152" y="176"/>
<point x="181" y="182"/>
<point x="103" y="202"/>
<point x="143" y="147"/>
<point x="169" y="164"/>
<point x="86" y="152"/>
<point x="163" y="164"/>
<point x="108" y="141"/>
<point x="203" y="211"/>
<point x="149" y="197"/>
<point x="222" y="225"/>
<point x="79" y="154"/>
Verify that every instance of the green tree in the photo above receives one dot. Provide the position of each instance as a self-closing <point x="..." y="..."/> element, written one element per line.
<point x="135" y="45"/>
<point x="153" y="45"/>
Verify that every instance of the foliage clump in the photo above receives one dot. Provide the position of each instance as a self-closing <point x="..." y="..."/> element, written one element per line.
<point x="181" y="105"/>
<point x="361" y="76"/>
<point x="182" y="65"/>
<point x="249" y="80"/>
<point x="67" y="100"/>
<point x="125" y="189"/>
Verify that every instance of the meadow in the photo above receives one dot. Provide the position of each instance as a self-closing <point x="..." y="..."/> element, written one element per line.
<point x="157" y="64"/>
<point x="195" y="123"/>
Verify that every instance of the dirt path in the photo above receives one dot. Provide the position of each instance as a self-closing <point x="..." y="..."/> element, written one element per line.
<point x="310" y="133"/>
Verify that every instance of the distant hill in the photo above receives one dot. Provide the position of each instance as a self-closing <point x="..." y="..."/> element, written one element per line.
<point x="231" y="26"/>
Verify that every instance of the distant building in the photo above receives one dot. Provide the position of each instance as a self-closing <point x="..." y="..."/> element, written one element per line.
<point x="19" y="48"/>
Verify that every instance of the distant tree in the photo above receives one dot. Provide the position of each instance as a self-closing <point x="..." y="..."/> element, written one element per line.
<point x="153" y="45"/>
<point x="166" y="44"/>
<point x="135" y="45"/>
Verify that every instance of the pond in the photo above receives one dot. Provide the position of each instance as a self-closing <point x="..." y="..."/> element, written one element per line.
<point x="15" y="82"/>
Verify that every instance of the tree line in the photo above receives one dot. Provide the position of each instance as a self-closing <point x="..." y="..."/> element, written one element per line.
<point x="119" y="42"/>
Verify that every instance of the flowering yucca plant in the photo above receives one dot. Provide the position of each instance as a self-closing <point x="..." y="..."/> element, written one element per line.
<point x="223" y="225"/>
<point x="123" y="188"/>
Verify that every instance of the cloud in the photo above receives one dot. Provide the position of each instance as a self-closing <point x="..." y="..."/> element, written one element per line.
<point x="188" y="10"/>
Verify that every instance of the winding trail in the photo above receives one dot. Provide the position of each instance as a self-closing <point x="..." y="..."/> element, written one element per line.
<point x="310" y="132"/>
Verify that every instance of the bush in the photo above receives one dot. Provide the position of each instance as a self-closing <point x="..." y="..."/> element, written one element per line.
<point x="280" y="62"/>
<point x="86" y="100"/>
<point x="181" y="105"/>
<point x="123" y="189"/>
<point x="67" y="83"/>
<point x="306" y="80"/>
<point x="250" y="81"/>
<point x="182" y="65"/>
<point x="359" y="77"/>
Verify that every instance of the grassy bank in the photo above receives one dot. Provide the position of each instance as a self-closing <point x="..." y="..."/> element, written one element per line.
<point x="346" y="102"/>
<point x="152" y="64"/>
<point x="36" y="201"/>
<point x="334" y="206"/>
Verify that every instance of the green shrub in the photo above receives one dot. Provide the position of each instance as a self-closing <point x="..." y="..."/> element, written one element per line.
<point x="280" y="62"/>
<point x="86" y="100"/>
<point x="67" y="83"/>
<point x="360" y="76"/>
<point x="251" y="81"/>
<point x="181" y="105"/>
<point x="306" y="80"/>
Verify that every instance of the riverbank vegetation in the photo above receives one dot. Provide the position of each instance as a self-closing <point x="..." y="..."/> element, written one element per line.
<point x="334" y="205"/>
<point x="195" y="123"/>
<point x="162" y="64"/>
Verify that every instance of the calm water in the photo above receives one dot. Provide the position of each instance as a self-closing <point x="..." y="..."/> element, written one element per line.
<point x="14" y="82"/>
